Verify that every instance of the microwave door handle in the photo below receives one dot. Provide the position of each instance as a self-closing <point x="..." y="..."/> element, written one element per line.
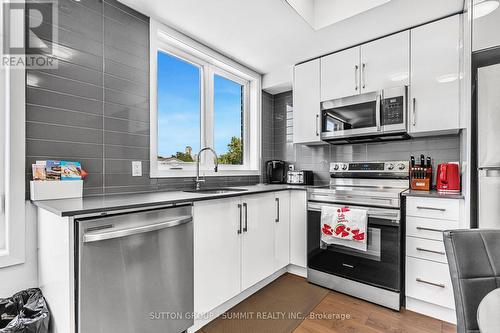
<point x="377" y="112"/>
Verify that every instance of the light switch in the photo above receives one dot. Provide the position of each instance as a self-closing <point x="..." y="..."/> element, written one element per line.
<point x="136" y="168"/>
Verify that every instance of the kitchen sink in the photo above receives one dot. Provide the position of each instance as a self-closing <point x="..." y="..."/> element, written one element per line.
<point x="217" y="190"/>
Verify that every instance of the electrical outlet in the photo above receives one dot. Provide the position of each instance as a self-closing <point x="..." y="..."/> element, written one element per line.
<point x="136" y="168"/>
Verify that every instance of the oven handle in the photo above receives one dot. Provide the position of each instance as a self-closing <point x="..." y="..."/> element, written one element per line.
<point x="387" y="215"/>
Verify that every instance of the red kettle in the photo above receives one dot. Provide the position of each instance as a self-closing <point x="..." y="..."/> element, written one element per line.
<point x="448" y="177"/>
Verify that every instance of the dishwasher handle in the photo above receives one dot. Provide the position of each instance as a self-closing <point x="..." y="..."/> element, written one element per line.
<point x="100" y="236"/>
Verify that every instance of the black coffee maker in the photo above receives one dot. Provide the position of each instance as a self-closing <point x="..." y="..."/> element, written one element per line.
<point x="276" y="172"/>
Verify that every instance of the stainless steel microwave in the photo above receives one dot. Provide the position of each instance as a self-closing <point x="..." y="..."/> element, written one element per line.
<point x="376" y="116"/>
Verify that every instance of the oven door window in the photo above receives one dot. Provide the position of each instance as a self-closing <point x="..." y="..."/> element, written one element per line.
<point x="379" y="266"/>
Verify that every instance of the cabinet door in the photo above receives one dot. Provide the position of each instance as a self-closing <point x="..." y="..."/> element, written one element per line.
<point x="340" y="74"/>
<point x="282" y="230"/>
<point x="258" y="238"/>
<point x="217" y="253"/>
<point x="435" y="77"/>
<point x="306" y="106"/>
<point x="385" y="63"/>
<point x="298" y="228"/>
<point x="485" y="26"/>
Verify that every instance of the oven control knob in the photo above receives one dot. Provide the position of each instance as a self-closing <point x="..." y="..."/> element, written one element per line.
<point x="390" y="166"/>
<point x="336" y="167"/>
<point x="401" y="166"/>
<point x="344" y="167"/>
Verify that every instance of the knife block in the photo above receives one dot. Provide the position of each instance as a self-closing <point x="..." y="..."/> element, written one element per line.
<point x="421" y="184"/>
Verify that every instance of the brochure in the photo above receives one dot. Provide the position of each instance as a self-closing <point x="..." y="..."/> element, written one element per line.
<point x="53" y="170"/>
<point x="71" y="170"/>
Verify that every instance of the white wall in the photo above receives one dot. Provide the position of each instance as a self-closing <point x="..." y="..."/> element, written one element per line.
<point x="23" y="276"/>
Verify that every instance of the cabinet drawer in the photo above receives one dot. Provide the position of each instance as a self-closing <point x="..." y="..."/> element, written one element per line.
<point x="428" y="228"/>
<point x="429" y="281"/>
<point x="426" y="249"/>
<point x="437" y="208"/>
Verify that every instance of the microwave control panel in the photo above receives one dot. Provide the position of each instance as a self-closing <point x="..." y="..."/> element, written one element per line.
<point x="393" y="110"/>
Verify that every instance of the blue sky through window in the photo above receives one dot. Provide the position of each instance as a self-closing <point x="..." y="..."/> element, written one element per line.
<point x="179" y="102"/>
<point x="227" y="112"/>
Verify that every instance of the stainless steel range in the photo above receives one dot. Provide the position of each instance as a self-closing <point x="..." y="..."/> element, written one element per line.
<point x="375" y="275"/>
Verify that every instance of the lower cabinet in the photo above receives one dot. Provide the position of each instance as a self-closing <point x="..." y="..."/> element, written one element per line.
<point x="217" y="253"/>
<point x="257" y="238"/>
<point x="282" y="230"/>
<point x="428" y="282"/>
<point x="238" y="242"/>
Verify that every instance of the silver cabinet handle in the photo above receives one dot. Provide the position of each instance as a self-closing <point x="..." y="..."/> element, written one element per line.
<point x="432" y="208"/>
<point x="430" y="283"/>
<point x="356" y="68"/>
<point x="317" y="125"/>
<point x="95" y="237"/>
<point x="429" y="229"/>
<point x="430" y="251"/>
<point x="245" y="228"/>
<point x="277" y="210"/>
<point x="347" y="265"/>
<point x="377" y="113"/>
<point x="241" y="218"/>
<point x="363" y="75"/>
<point x="414" y="111"/>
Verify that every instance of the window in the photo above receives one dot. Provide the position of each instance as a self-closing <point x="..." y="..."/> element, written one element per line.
<point x="199" y="99"/>
<point x="179" y="107"/>
<point x="229" y="110"/>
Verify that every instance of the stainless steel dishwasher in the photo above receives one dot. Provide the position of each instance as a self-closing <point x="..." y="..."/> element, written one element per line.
<point x="135" y="272"/>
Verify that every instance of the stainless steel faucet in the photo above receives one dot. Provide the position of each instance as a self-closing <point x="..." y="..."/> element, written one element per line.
<point x="216" y="160"/>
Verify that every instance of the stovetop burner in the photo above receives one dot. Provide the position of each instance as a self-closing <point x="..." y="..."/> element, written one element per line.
<point x="364" y="183"/>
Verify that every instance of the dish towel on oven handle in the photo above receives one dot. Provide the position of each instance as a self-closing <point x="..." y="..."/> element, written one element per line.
<point x="344" y="226"/>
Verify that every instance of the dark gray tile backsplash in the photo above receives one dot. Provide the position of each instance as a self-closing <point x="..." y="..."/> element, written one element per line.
<point x="94" y="108"/>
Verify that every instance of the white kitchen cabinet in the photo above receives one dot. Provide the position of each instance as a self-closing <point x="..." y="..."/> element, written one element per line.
<point x="258" y="238"/>
<point x="340" y="74"/>
<point x="217" y="253"/>
<point x="298" y="228"/>
<point x="385" y="63"/>
<point x="282" y="230"/>
<point x="306" y="105"/>
<point x="485" y="26"/>
<point x="435" y="77"/>
<point x="428" y="283"/>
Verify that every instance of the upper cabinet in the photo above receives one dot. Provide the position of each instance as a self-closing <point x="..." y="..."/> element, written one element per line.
<point x="385" y="63"/>
<point x="486" y="25"/>
<point x="306" y="106"/>
<point x="435" y="77"/>
<point x="340" y="74"/>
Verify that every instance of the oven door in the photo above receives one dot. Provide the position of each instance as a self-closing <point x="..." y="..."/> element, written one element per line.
<point x="379" y="266"/>
<point x="351" y="116"/>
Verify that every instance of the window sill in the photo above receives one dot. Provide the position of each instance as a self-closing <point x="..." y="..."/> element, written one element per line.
<point x="203" y="173"/>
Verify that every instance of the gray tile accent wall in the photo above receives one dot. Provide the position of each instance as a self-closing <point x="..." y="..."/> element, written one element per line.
<point x="94" y="108"/>
<point x="318" y="158"/>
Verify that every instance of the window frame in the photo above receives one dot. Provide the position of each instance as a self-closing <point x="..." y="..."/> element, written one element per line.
<point x="12" y="122"/>
<point x="211" y="63"/>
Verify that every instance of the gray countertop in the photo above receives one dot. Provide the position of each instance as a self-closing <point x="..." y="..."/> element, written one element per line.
<point x="108" y="203"/>
<point x="432" y="194"/>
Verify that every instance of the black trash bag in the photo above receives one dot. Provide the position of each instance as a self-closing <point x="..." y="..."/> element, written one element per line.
<point x="25" y="312"/>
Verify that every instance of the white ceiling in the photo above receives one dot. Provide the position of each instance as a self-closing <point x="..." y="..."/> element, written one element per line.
<point x="322" y="13"/>
<point x="270" y="37"/>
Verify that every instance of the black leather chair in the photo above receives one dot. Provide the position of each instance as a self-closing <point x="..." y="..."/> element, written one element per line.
<point x="474" y="261"/>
